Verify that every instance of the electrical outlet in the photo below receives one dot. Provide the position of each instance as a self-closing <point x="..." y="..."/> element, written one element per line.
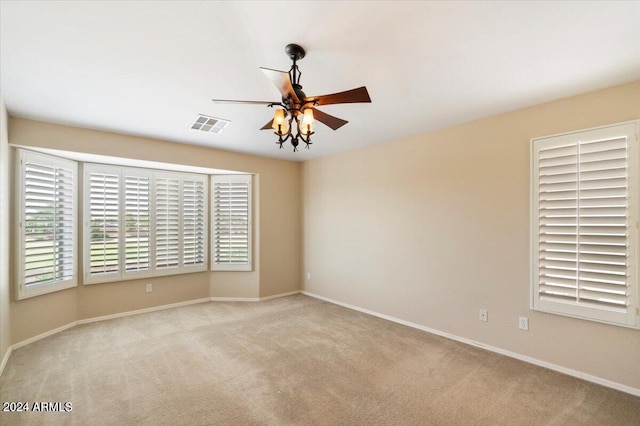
<point x="149" y="288"/>
<point x="523" y="323"/>
<point x="308" y="275"/>
<point x="484" y="315"/>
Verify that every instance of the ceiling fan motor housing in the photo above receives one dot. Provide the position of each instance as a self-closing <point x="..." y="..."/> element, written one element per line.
<point x="299" y="93"/>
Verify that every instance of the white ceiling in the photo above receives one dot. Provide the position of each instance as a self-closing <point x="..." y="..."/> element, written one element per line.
<point x="149" y="67"/>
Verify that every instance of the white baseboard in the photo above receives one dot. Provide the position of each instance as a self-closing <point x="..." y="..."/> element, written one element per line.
<point x="530" y="360"/>
<point x="141" y="311"/>
<point x="5" y="359"/>
<point x="43" y="335"/>
<point x="234" y="299"/>
<point x="252" y="299"/>
<point x="275" y="296"/>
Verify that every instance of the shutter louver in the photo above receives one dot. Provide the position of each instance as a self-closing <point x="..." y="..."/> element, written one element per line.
<point x="558" y="186"/>
<point x="585" y="225"/>
<point x="602" y="223"/>
<point x="167" y="193"/>
<point x="48" y="223"/>
<point x="137" y="222"/>
<point x="104" y="223"/>
<point x="231" y="223"/>
<point x="194" y="222"/>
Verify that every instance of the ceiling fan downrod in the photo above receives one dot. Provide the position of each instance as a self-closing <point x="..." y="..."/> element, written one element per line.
<point x="295" y="53"/>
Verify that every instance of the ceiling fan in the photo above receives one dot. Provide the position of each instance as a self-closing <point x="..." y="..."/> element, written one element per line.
<point x="298" y="109"/>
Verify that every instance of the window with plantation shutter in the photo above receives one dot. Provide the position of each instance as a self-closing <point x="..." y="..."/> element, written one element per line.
<point x="137" y="222"/>
<point x="167" y="229"/>
<point x="103" y="209"/>
<point x="117" y="221"/>
<point x="141" y="223"/>
<point x="231" y="223"/>
<point x="584" y="224"/>
<point x="180" y="222"/>
<point x="194" y="222"/>
<point x="46" y="214"/>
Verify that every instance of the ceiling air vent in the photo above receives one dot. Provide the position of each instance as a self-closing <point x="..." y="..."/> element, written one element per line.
<point x="209" y="124"/>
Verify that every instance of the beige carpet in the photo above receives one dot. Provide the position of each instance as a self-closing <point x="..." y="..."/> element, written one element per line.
<point x="289" y="361"/>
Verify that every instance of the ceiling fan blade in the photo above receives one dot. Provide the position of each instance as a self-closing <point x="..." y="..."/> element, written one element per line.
<point x="359" y="95"/>
<point x="334" y="122"/>
<point x="231" y="101"/>
<point x="267" y="126"/>
<point x="282" y="81"/>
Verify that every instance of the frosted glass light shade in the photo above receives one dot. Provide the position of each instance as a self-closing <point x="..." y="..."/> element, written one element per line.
<point x="307" y="122"/>
<point x="280" y="119"/>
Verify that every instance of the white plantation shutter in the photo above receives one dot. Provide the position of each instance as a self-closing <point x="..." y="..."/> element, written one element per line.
<point x="585" y="205"/>
<point x="603" y="249"/>
<point x="117" y="223"/>
<point x="231" y="223"/>
<point x="137" y="222"/>
<point x="47" y="224"/>
<point x="142" y="223"/>
<point x="194" y="222"/>
<point x="180" y="223"/>
<point x="168" y="223"/>
<point x="103" y="209"/>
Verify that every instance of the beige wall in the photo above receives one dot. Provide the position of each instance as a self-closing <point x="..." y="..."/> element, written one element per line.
<point x="284" y="252"/>
<point x="431" y="228"/>
<point x="5" y="337"/>
<point x="37" y="315"/>
<point x="276" y="196"/>
<point x="98" y="300"/>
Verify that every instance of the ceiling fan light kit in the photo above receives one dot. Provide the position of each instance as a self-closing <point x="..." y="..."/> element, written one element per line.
<point x="295" y="118"/>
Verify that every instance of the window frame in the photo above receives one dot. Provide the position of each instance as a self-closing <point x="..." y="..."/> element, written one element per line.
<point x="144" y="173"/>
<point x="230" y="267"/>
<point x="630" y="318"/>
<point x="204" y="266"/>
<point x="121" y="274"/>
<point x="181" y="268"/>
<point x="154" y="229"/>
<point x="153" y="175"/>
<point x="24" y="291"/>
